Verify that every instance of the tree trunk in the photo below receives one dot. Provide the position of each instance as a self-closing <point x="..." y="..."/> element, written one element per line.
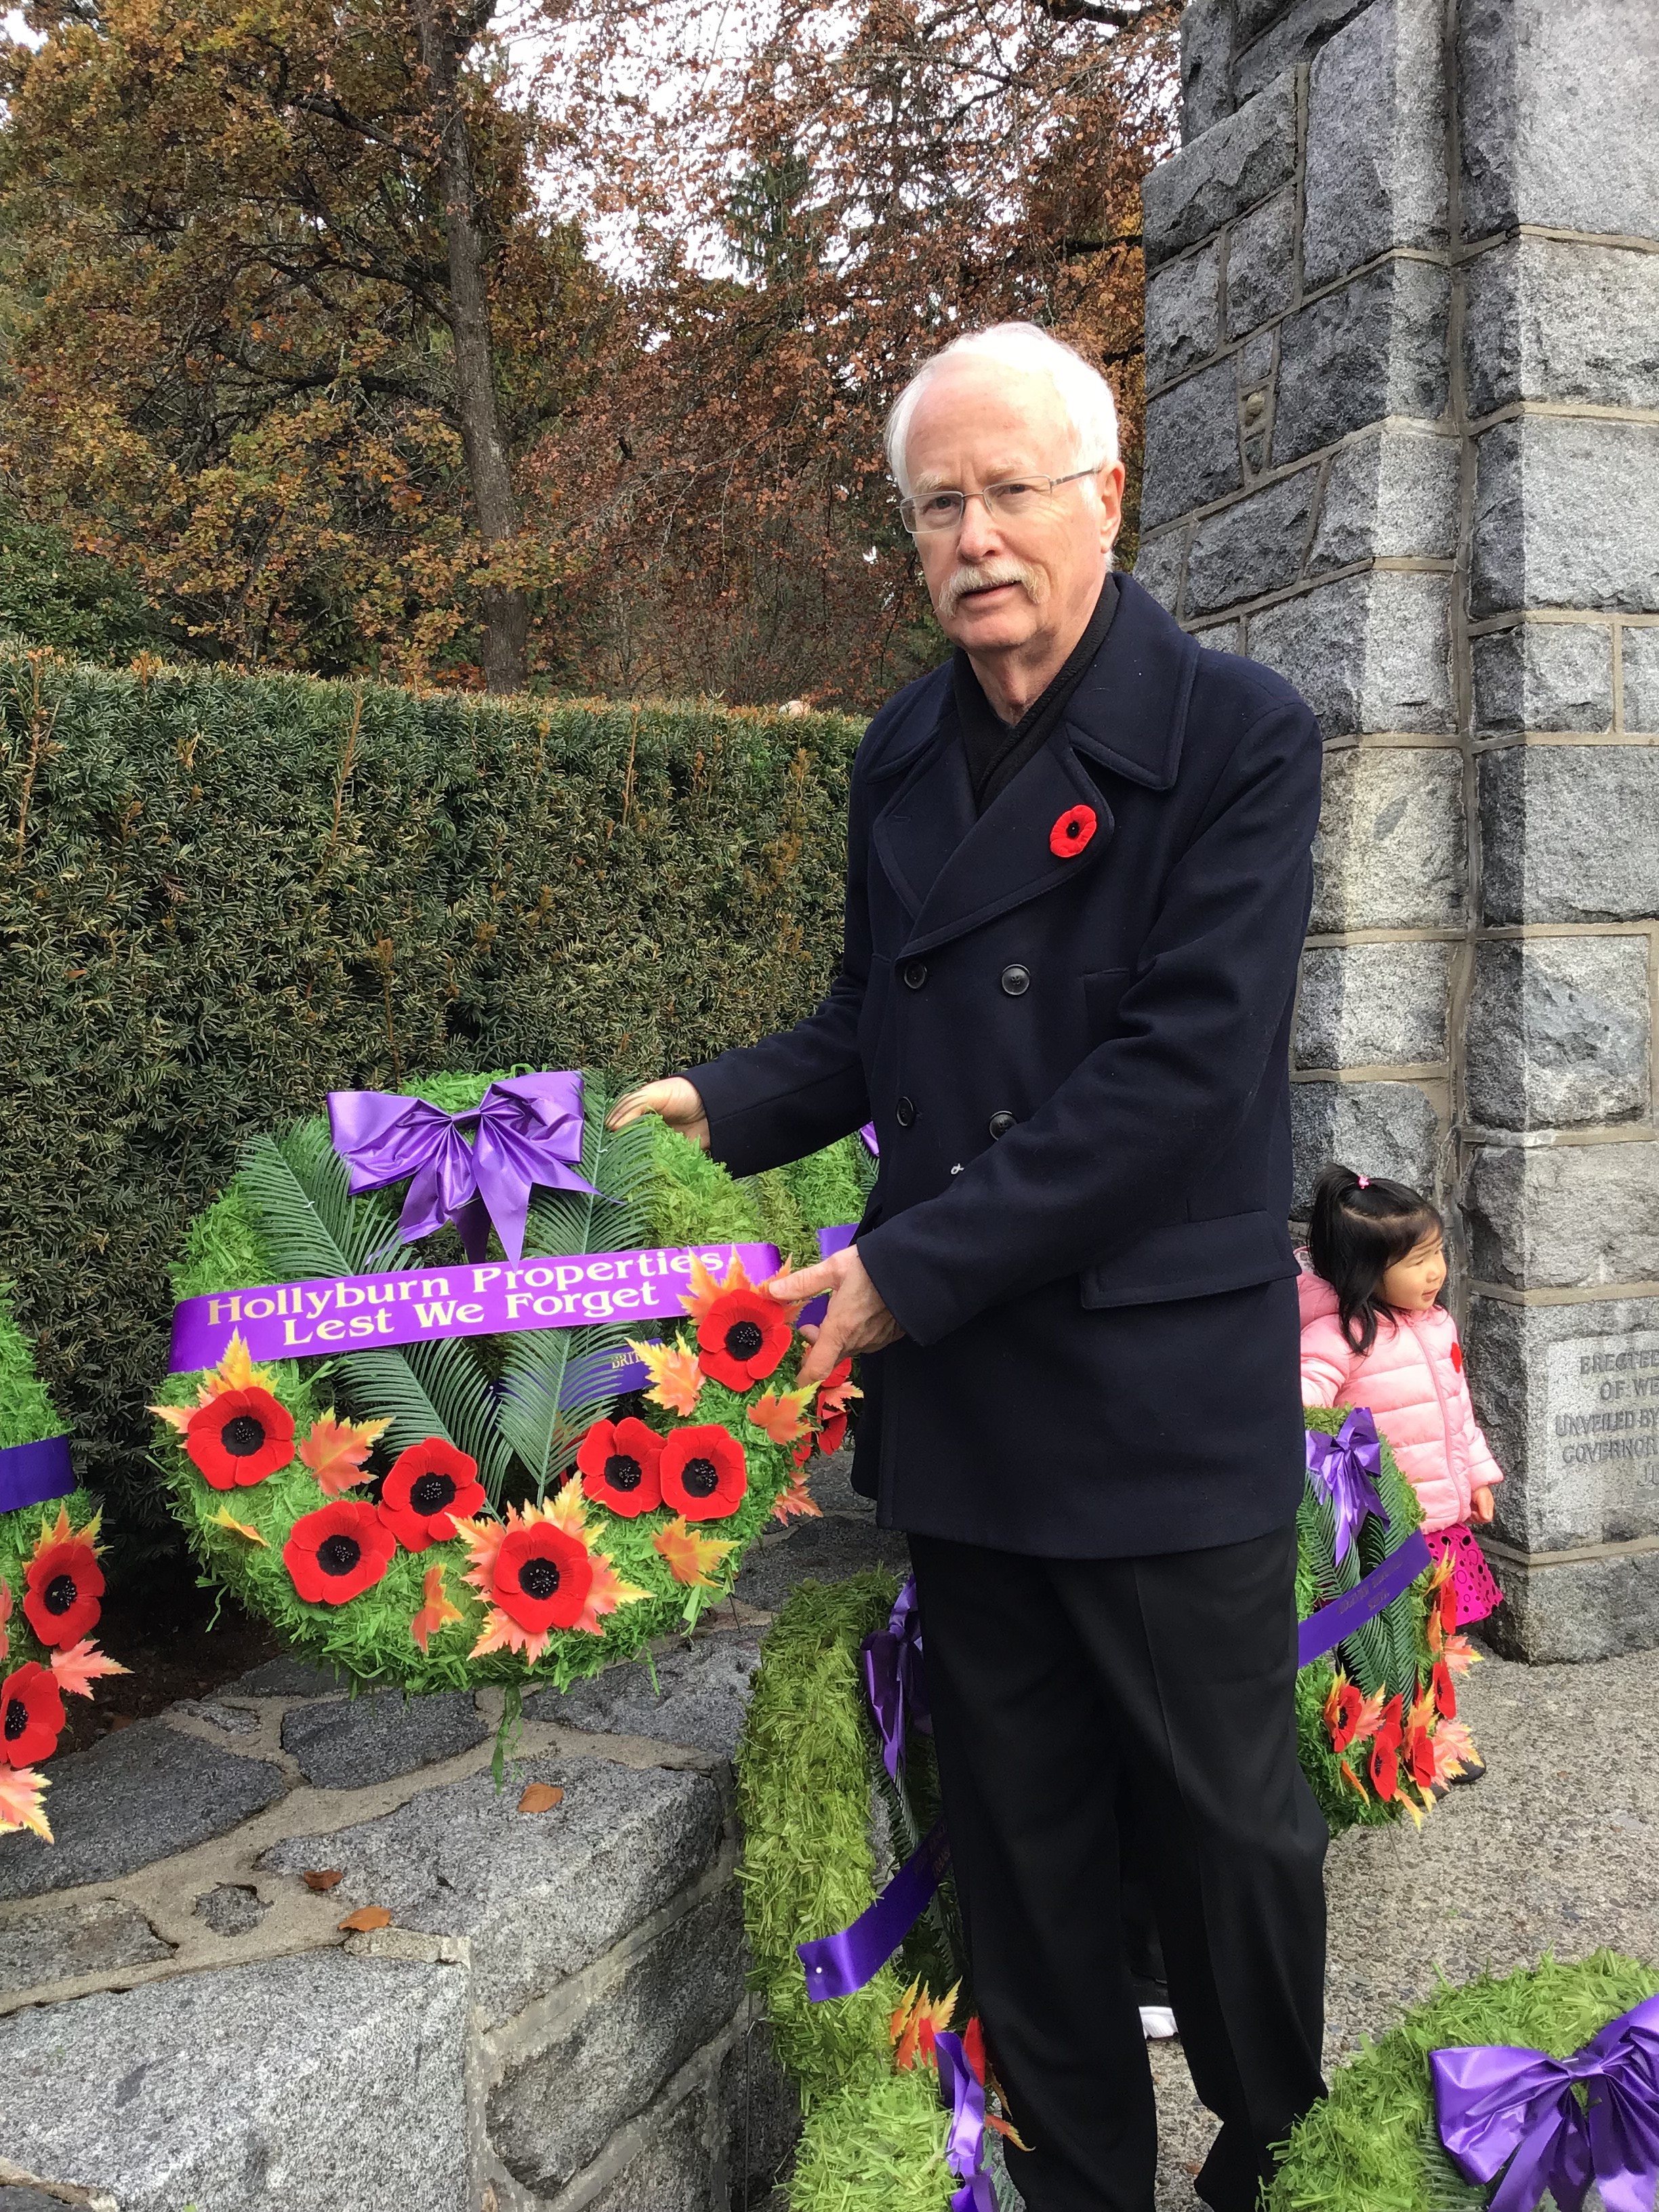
<point x="506" y="612"/>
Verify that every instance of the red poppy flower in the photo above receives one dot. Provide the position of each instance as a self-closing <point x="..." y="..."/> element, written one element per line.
<point x="832" y="1408"/>
<point x="741" y="1337"/>
<point x="1448" y="1606"/>
<point x="64" y="1584"/>
<point x="1385" y="1753"/>
<point x="703" y="1475"/>
<point x="1445" y="1691"/>
<point x="618" y="1462"/>
<point x="543" y="1576"/>
<point x="1342" y="1710"/>
<point x="430" y="1487"/>
<point x="1456" y="1356"/>
<point x="1420" y="1754"/>
<point x="31" y="1715"/>
<point x="1072" y="832"/>
<point x="240" y="1438"/>
<point x="338" y="1550"/>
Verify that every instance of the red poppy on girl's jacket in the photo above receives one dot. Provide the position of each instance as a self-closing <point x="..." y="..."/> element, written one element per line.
<point x="1072" y="832"/>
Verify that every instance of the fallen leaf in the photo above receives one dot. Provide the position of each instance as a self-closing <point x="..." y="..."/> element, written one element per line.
<point x="366" y="1918"/>
<point x="334" y="1451"/>
<point x="321" y="1878"/>
<point x="540" y="1797"/>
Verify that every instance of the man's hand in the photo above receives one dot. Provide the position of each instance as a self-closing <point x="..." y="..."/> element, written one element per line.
<point x="674" y="1098"/>
<point x="856" y="1321"/>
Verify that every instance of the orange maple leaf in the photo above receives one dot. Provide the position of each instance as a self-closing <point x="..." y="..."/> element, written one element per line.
<point x="177" y="1416"/>
<point x="437" y="1613"/>
<point x="605" y="1593"/>
<point x="920" y="2018"/>
<point x="235" y="1371"/>
<point x="1370" y="1717"/>
<point x="1454" y="1748"/>
<point x="224" y="1518"/>
<point x="1460" y="1655"/>
<point x="502" y="1633"/>
<point x="79" y="1667"/>
<point x="834" y="1398"/>
<point x="675" y="1377"/>
<point x="781" y="1414"/>
<point x="795" y="1498"/>
<point x="335" y="1450"/>
<point x="60" y="1531"/>
<point x="21" y="1788"/>
<point x="705" y="1289"/>
<point x="1351" y="1778"/>
<point x="689" y="1555"/>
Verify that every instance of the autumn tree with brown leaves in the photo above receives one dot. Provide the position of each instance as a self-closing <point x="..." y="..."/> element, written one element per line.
<point x="291" y="312"/>
<point x="814" y="196"/>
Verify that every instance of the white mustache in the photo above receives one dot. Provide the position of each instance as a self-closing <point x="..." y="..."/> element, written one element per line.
<point x="980" y="576"/>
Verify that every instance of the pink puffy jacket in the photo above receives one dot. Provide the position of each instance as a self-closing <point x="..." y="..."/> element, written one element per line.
<point x="1413" y="1380"/>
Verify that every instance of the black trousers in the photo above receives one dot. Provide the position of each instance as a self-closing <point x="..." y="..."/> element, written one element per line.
<point x="1068" y="1694"/>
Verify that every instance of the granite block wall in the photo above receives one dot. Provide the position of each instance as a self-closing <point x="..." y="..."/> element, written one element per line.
<point x="1402" y="328"/>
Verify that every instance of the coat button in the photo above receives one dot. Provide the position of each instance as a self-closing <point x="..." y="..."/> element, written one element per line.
<point x="1002" y="1123"/>
<point x="1016" y="980"/>
<point x="905" y="1112"/>
<point x="915" y="975"/>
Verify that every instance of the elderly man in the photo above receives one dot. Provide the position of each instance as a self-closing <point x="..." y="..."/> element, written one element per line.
<point x="1078" y="881"/>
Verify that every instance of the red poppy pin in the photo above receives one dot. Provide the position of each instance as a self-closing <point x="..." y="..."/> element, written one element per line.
<point x="1072" y="832"/>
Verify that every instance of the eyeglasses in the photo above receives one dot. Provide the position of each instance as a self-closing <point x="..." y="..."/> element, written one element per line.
<point x="1007" y="502"/>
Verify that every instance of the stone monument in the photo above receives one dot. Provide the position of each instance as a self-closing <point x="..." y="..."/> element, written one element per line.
<point x="1402" y="445"/>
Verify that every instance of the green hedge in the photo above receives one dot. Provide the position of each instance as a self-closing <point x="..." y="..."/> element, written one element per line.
<point x="223" y="895"/>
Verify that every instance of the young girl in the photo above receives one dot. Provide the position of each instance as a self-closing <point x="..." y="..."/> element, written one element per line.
<point x="1372" y="1334"/>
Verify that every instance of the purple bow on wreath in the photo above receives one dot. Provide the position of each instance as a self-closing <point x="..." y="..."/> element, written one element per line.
<point x="1346" y="1466"/>
<point x="894" y="1678"/>
<point x="964" y="2150"/>
<point x="1499" y="2102"/>
<point x="528" y="1131"/>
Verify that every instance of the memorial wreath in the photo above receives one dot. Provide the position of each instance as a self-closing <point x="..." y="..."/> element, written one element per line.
<point x="52" y="1585"/>
<point x="466" y="1388"/>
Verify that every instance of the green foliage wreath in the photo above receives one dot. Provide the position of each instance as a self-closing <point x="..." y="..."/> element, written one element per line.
<point x="517" y="1407"/>
<point x="1371" y="2146"/>
<point x="44" y="1549"/>
<point x="809" y="1775"/>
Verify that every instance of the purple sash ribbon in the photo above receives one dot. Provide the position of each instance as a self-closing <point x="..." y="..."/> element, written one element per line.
<point x="893" y="1677"/>
<point x="965" y="2148"/>
<point x="868" y="1133"/>
<point x="1346" y="1466"/>
<point x="328" y="1314"/>
<point x="1500" y="2103"/>
<point x="837" y="1965"/>
<point x="1323" y="1631"/>
<point x="829" y="1240"/>
<point x="31" y="1473"/>
<point x="528" y="1131"/>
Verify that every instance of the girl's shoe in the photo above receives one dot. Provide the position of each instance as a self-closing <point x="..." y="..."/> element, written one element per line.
<point x="1471" y="1771"/>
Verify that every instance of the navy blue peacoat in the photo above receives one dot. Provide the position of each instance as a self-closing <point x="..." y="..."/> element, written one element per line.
<point x="1078" y="1064"/>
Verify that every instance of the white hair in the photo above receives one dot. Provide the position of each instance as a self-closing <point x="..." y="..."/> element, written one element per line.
<point x="1091" y="412"/>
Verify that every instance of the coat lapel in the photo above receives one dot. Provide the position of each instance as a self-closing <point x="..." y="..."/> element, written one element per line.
<point x="954" y="872"/>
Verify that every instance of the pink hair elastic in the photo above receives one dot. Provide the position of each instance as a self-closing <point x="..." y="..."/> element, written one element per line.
<point x="1365" y="1182"/>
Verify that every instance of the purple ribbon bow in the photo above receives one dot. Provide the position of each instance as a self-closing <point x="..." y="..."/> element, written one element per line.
<point x="1496" y="2102"/>
<point x="528" y="1130"/>
<point x="1346" y="1466"/>
<point x="965" y="2149"/>
<point x="894" y="1678"/>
